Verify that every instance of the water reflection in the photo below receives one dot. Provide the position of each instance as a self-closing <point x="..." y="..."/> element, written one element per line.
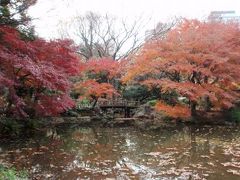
<point x="125" y="153"/>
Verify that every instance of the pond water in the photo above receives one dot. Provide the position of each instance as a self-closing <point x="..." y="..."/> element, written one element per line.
<point x="126" y="153"/>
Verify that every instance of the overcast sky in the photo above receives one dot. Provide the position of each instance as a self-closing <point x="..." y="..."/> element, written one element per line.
<point x="48" y="13"/>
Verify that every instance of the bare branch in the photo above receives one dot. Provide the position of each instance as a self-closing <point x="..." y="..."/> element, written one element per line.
<point x="105" y="36"/>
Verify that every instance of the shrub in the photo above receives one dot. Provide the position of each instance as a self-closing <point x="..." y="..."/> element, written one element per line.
<point x="235" y="114"/>
<point x="12" y="173"/>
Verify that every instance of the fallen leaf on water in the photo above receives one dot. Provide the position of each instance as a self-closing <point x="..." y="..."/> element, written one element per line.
<point x="37" y="153"/>
<point x="153" y="153"/>
<point x="235" y="172"/>
<point x="233" y="164"/>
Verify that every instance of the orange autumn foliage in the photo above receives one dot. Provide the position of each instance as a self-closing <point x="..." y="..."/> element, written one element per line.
<point x="98" y="79"/>
<point x="197" y="60"/>
<point x="177" y="111"/>
<point x="93" y="90"/>
<point x="105" y="66"/>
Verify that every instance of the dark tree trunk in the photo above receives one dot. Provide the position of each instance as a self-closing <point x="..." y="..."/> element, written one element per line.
<point x="193" y="108"/>
<point x="207" y="103"/>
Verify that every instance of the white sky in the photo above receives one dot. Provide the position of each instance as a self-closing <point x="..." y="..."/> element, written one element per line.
<point x="50" y="12"/>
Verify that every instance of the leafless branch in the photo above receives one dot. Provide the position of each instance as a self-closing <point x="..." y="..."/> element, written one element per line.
<point x="104" y="36"/>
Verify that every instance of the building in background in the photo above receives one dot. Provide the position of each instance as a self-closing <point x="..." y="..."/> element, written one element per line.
<point x="223" y="16"/>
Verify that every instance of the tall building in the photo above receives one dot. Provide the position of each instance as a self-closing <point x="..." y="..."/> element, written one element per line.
<point x="223" y="16"/>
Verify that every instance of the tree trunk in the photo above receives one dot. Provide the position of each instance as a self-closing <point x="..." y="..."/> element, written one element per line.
<point x="207" y="103"/>
<point x="193" y="108"/>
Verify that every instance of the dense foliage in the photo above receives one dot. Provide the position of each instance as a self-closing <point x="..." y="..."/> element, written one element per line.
<point x="194" y="66"/>
<point x="34" y="75"/>
<point x="99" y="80"/>
<point x="198" y="61"/>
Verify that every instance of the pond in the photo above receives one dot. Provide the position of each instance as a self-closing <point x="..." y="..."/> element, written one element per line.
<point x="126" y="153"/>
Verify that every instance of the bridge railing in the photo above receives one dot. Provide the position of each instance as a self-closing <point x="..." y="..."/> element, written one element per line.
<point x="118" y="103"/>
<point x="113" y="103"/>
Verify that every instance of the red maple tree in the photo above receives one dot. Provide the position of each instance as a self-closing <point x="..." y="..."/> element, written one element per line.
<point x="34" y="74"/>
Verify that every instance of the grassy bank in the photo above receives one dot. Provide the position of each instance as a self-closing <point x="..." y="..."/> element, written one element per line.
<point x="12" y="174"/>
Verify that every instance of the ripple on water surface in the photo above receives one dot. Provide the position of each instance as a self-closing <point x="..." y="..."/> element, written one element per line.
<point x="125" y="153"/>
